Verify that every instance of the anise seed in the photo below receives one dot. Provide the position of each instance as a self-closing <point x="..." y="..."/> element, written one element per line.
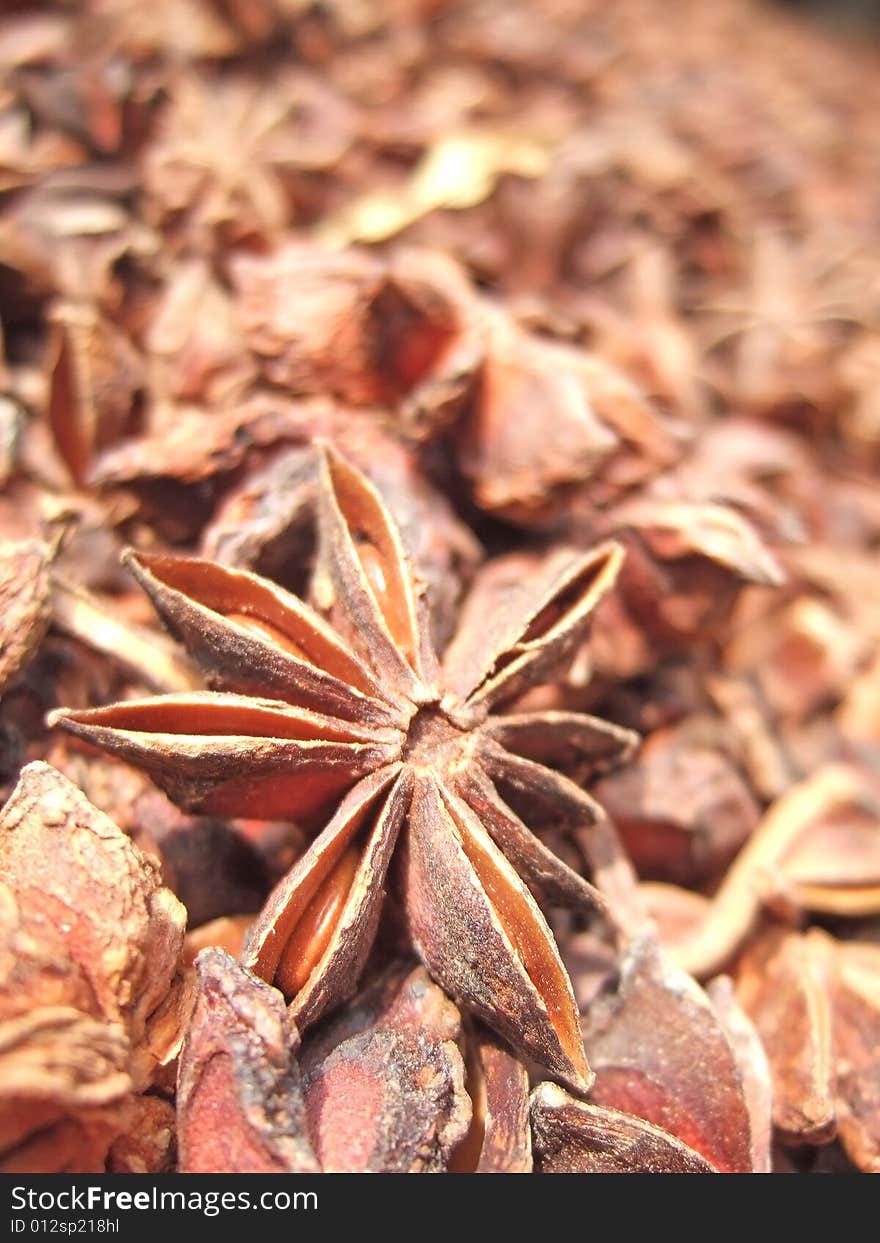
<point x="312" y="934"/>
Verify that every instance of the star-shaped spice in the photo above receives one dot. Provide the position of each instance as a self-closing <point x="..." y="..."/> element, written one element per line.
<point x="346" y="712"/>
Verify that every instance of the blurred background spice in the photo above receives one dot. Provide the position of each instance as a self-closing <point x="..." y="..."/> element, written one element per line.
<point x="549" y="273"/>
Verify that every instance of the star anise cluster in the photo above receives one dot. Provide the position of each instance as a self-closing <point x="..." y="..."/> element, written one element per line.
<point x="344" y="718"/>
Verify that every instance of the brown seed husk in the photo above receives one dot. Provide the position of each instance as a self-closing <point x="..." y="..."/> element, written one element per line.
<point x="240" y="1105"/>
<point x="384" y="1082"/>
<point x="575" y="1137"/>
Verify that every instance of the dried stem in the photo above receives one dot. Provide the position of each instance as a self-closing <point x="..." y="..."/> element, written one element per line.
<point x="149" y="656"/>
<point x="737" y="904"/>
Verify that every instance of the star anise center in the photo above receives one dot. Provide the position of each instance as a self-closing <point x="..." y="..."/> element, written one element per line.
<point x="436" y="742"/>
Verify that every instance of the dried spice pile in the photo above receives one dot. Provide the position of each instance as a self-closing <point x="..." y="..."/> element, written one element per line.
<point x="439" y="678"/>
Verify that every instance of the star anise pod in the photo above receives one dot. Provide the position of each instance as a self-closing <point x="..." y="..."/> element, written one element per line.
<point x="348" y="712"/>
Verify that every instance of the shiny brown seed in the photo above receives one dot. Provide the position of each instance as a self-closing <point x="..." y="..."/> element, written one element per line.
<point x="312" y="934"/>
<point x="267" y="631"/>
<point x="374" y="567"/>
